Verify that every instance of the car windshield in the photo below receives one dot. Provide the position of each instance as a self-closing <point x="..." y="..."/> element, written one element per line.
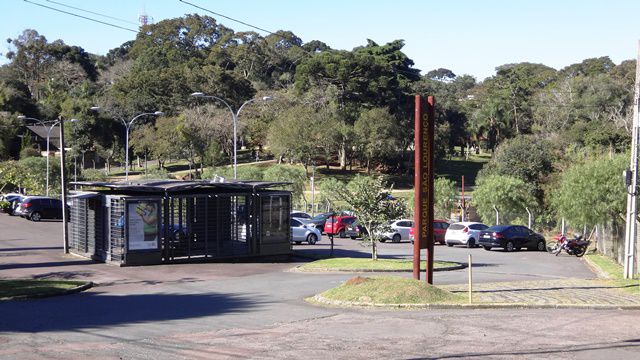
<point x="457" y="227"/>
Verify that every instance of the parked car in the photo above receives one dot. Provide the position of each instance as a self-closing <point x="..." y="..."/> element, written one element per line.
<point x="14" y="200"/>
<point x="300" y="215"/>
<point x="338" y="225"/>
<point x="36" y="208"/>
<point x="439" y="229"/>
<point x="399" y="230"/>
<point x="319" y="220"/>
<point x="303" y="231"/>
<point x="511" y="237"/>
<point x="464" y="233"/>
<point x="356" y="230"/>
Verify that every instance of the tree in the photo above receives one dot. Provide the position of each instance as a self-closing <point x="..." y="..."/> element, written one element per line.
<point x="292" y="174"/>
<point x="527" y="158"/>
<point x="510" y="195"/>
<point x="592" y="192"/>
<point x="370" y="200"/>
<point x="445" y="193"/>
<point x="375" y="135"/>
<point x="290" y="135"/>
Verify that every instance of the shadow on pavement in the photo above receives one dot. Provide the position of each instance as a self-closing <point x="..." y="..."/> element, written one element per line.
<point x="95" y="310"/>
<point x="45" y="264"/>
<point x="64" y="275"/>
<point x="33" y="248"/>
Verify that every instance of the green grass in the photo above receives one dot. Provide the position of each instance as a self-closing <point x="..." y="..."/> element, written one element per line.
<point x="12" y="288"/>
<point x="615" y="272"/>
<point x="454" y="169"/>
<point x="390" y="290"/>
<point x="347" y="263"/>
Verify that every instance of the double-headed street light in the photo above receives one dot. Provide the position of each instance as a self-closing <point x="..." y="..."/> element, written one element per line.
<point x="127" y="126"/>
<point x="49" y="125"/>
<point x="234" y="117"/>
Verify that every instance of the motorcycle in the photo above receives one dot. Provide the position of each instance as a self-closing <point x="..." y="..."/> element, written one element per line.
<point x="576" y="246"/>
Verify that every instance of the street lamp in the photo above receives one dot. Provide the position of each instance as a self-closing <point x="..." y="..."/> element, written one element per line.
<point x="234" y="117"/>
<point x="49" y="125"/>
<point x="127" y="126"/>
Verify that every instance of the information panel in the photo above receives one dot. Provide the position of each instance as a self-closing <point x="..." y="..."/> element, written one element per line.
<point x="143" y="225"/>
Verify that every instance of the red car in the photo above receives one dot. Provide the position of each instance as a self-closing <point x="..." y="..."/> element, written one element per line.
<point x="439" y="229"/>
<point x="338" y="225"/>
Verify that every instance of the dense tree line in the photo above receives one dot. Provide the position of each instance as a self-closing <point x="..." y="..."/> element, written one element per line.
<point x="330" y="106"/>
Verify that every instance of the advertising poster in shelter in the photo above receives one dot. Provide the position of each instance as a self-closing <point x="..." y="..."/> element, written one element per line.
<point x="143" y="226"/>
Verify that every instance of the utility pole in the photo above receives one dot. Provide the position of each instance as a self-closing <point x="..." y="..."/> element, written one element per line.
<point x="632" y="224"/>
<point x="63" y="191"/>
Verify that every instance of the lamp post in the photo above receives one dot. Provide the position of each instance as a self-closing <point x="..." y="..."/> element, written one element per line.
<point x="234" y="117"/>
<point x="49" y="125"/>
<point x="127" y="126"/>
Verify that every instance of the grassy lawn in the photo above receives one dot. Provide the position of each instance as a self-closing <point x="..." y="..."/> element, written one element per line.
<point x="615" y="271"/>
<point x="11" y="288"/>
<point x="334" y="264"/>
<point x="390" y="290"/>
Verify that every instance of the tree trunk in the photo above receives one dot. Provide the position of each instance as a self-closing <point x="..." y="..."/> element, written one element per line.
<point x="374" y="249"/>
<point x="342" y="155"/>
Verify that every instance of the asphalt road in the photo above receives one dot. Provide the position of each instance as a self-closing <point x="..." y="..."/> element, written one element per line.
<point x="256" y="310"/>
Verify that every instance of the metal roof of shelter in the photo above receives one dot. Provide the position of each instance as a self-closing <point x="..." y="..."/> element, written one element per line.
<point x="182" y="186"/>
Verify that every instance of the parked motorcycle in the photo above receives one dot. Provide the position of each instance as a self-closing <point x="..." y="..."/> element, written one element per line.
<point x="576" y="246"/>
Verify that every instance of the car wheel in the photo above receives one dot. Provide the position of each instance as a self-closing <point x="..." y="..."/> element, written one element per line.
<point x="471" y="243"/>
<point x="353" y="237"/>
<point x="486" y="247"/>
<point x="396" y="238"/>
<point x="298" y="242"/>
<point x="341" y="234"/>
<point x="312" y="239"/>
<point x="441" y="242"/>
<point x="541" y="246"/>
<point x="509" y="247"/>
<point x="35" y="216"/>
<point x="383" y="240"/>
<point x="449" y="245"/>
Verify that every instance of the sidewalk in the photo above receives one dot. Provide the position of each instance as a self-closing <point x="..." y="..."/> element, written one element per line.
<point x="578" y="292"/>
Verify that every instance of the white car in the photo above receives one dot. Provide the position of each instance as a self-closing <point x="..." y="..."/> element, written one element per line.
<point x="399" y="231"/>
<point x="304" y="231"/>
<point x="464" y="233"/>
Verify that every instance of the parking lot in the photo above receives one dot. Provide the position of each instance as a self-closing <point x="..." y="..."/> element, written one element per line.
<point x="256" y="310"/>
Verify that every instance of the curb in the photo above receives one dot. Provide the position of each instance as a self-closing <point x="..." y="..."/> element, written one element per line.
<point x="449" y="268"/>
<point x="74" y="290"/>
<point x="321" y="300"/>
<point x="601" y="274"/>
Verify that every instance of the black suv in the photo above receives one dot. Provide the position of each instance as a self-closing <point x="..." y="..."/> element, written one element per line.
<point x="35" y="208"/>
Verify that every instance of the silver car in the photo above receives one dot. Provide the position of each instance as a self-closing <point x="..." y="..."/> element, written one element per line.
<point x="464" y="233"/>
<point x="302" y="230"/>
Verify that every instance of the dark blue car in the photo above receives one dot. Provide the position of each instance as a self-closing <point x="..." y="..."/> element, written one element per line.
<point x="511" y="237"/>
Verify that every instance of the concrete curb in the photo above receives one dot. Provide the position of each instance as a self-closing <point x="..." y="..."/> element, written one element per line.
<point x="450" y="268"/>
<point x="601" y="274"/>
<point x="321" y="300"/>
<point x="74" y="290"/>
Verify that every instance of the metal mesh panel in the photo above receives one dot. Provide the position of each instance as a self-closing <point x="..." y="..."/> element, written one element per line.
<point x="78" y="241"/>
<point x="117" y="222"/>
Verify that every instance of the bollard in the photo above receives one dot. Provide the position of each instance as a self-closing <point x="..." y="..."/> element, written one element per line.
<point x="470" y="281"/>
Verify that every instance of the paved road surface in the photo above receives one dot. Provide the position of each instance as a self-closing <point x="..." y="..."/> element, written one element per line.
<point x="229" y="311"/>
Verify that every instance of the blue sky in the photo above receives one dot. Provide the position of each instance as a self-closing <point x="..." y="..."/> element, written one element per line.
<point x="466" y="36"/>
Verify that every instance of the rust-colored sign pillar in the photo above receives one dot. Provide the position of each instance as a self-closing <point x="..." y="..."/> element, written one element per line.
<point x="423" y="185"/>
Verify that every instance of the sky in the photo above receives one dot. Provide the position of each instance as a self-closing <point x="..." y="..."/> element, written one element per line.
<point x="466" y="36"/>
